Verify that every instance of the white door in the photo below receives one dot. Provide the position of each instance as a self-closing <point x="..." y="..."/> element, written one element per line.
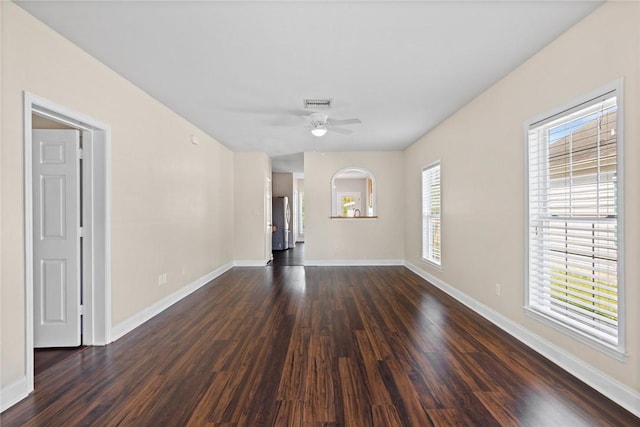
<point x="56" y="238"/>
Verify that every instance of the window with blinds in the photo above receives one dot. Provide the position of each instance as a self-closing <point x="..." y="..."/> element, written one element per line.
<point x="431" y="221"/>
<point x="573" y="228"/>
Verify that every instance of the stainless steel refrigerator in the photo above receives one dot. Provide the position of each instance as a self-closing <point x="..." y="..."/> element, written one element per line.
<point x="281" y="219"/>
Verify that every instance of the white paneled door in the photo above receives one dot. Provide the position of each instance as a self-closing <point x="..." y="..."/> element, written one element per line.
<point x="56" y="238"/>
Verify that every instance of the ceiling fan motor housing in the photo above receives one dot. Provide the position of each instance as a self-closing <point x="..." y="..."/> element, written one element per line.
<point x="318" y="119"/>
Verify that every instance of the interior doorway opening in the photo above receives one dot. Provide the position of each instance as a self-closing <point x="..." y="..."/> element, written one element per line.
<point x="93" y="257"/>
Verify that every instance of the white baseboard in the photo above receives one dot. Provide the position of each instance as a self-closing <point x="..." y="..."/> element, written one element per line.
<point x="249" y="263"/>
<point x="139" y="318"/>
<point x="619" y="393"/>
<point x="13" y="393"/>
<point x="352" y="262"/>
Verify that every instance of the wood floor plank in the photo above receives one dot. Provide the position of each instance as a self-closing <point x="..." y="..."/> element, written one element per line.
<point x="293" y="379"/>
<point x="355" y="402"/>
<point x="385" y="415"/>
<point x="312" y="347"/>
<point x="322" y="376"/>
<point x="373" y="377"/>
<point x="202" y="414"/>
<point x="454" y="417"/>
<point x="500" y="405"/>
<point x="409" y="402"/>
<point x="290" y="414"/>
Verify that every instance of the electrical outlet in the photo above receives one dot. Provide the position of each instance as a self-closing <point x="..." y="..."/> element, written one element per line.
<point x="498" y="289"/>
<point x="162" y="279"/>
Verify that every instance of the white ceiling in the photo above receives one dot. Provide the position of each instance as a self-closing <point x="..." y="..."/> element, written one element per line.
<point x="240" y="70"/>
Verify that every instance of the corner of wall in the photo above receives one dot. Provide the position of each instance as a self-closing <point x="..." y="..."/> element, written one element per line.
<point x="123" y="328"/>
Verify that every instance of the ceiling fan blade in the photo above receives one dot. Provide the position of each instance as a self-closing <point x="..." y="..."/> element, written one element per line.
<point x="343" y="122"/>
<point x="340" y="130"/>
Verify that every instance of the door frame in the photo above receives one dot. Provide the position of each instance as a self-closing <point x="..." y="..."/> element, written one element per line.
<point x="96" y="194"/>
<point x="268" y="220"/>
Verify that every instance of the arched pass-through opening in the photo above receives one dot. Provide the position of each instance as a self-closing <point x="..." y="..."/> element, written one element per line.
<point x="353" y="193"/>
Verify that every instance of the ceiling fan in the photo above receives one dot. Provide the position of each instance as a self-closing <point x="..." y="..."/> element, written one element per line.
<point x="320" y="124"/>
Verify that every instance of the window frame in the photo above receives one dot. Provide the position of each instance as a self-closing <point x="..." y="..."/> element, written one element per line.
<point x="356" y="195"/>
<point x="433" y="262"/>
<point x="616" y="351"/>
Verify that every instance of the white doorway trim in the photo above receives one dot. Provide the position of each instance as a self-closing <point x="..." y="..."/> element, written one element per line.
<point x="96" y="222"/>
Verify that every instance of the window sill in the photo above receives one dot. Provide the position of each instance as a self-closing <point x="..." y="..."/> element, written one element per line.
<point x="584" y="338"/>
<point x="432" y="264"/>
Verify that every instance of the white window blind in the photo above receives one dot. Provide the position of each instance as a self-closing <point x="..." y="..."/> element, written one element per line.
<point x="431" y="221"/>
<point x="573" y="219"/>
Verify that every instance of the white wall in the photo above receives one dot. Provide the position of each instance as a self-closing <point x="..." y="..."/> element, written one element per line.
<point x="481" y="148"/>
<point x="354" y="241"/>
<point x="251" y="170"/>
<point x="170" y="199"/>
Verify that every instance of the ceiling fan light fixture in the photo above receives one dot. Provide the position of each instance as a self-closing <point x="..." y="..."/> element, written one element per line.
<point x="319" y="131"/>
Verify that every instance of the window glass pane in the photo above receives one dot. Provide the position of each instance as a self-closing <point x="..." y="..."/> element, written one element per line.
<point x="349" y="204"/>
<point x="431" y="216"/>
<point x="573" y="214"/>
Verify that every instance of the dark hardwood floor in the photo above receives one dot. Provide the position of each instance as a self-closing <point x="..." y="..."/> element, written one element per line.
<point x="290" y="257"/>
<point x="315" y="346"/>
<point x="45" y="358"/>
